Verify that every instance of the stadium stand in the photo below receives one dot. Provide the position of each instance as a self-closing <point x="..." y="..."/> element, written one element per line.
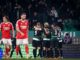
<point x="67" y="10"/>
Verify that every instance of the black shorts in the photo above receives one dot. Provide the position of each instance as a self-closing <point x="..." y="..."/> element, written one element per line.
<point x="60" y="45"/>
<point x="46" y="43"/>
<point x="54" y="44"/>
<point x="36" y="43"/>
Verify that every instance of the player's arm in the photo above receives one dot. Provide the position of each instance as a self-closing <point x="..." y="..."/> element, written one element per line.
<point x="17" y="28"/>
<point x="12" y="28"/>
<point x="0" y="27"/>
<point x="59" y="31"/>
<point x="56" y="32"/>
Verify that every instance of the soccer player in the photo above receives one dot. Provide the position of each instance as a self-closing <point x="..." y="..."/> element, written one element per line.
<point x="22" y="27"/>
<point x="37" y="40"/>
<point x="60" y="42"/>
<point x="54" y="41"/>
<point x="6" y="28"/>
<point x="46" y="40"/>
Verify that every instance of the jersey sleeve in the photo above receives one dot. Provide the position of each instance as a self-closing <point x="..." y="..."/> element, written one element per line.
<point x="12" y="28"/>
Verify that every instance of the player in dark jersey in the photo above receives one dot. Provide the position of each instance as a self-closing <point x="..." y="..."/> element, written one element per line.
<point x="59" y="38"/>
<point x="46" y="40"/>
<point x="54" y="41"/>
<point x="37" y="39"/>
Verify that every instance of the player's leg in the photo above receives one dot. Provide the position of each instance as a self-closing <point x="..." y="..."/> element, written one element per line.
<point x="20" y="52"/>
<point x="48" y="48"/>
<point x="40" y="49"/>
<point x="10" y="46"/>
<point x="17" y="47"/>
<point x="44" y="49"/>
<point x="52" y="48"/>
<point x="6" y="47"/>
<point x="18" y="42"/>
<point x="34" y="44"/>
<point x="5" y="52"/>
<point x="13" y="48"/>
<point x="25" y="43"/>
<point x="60" y="49"/>
<point x="13" y="51"/>
<point x="56" y="49"/>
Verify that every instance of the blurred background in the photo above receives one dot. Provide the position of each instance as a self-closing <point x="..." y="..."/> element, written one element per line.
<point x="65" y="12"/>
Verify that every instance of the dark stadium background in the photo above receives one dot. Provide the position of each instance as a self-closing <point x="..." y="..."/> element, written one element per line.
<point x="39" y="10"/>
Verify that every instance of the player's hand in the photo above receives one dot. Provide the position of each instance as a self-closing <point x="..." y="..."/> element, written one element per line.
<point x="22" y="33"/>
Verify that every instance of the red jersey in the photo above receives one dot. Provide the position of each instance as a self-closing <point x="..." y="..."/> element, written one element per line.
<point x="6" y="29"/>
<point x="23" y="27"/>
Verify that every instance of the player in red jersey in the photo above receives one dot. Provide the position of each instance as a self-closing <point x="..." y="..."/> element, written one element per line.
<point x="6" y="27"/>
<point x="22" y="26"/>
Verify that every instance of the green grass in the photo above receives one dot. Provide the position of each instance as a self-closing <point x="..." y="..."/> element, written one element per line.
<point x="71" y="59"/>
<point x="46" y="59"/>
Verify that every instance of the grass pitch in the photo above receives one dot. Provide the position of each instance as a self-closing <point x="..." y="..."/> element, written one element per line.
<point x="45" y="59"/>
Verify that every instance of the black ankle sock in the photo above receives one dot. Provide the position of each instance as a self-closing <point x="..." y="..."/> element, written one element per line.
<point x="34" y="52"/>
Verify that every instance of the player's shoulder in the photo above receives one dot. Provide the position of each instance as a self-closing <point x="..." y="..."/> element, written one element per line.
<point x="10" y="23"/>
<point x="1" y="23"/>
<point x="26" y="20"/>
<point x="19" y="20"/>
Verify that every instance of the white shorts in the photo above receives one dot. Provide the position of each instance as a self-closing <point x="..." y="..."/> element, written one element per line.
<point x="6" y="41"/>
<point x="22" y="41"/>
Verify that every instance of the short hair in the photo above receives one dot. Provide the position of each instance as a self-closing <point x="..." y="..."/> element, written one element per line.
<point x="23" y="13"/>
<point x="46" y="24"/>
<point x="7" y="17"/>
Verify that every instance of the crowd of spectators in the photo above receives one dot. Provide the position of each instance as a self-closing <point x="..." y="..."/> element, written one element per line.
<point x="64" y="12"/>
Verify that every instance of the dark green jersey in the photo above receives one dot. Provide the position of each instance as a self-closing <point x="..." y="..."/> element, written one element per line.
<point x="53" y="35"/>
<point x="46" y="34"/>
<point x="37" y="34"/>
<point x="59" y="37"/>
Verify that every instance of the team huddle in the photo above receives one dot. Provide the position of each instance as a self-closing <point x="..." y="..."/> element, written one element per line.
<point x="47" y="38"/>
